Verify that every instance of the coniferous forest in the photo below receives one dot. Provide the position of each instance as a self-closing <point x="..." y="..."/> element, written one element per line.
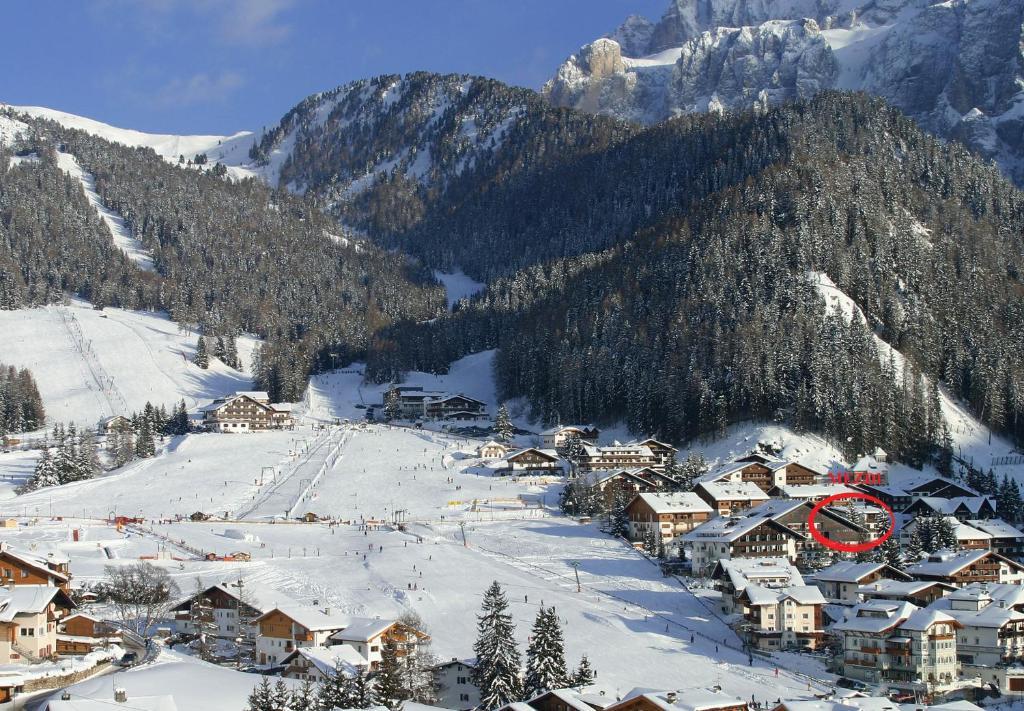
<point x="21" y="407"/>
<point x="666" y="276"/>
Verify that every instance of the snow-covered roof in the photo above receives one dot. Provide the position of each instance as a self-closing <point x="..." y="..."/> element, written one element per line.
<point x="688" y="700"/>
<point x="729" y="528"/>
<point x="922" y="620"/>
<point x="802" y="594"/>
<point x="875" y="616"/>
<point x="254" y="394"/>
<point x="945" y="563"/>
<point x="675" y="502"/>
<point x="812" y="491"/>
<point x="641" y="450"/>
<point x="884" y="587"/>
<point x="563" y="428"/>
<point x="313" y="618"/>
<point x="733" y="490"/>
<point x="362" y="629"/>
<point x="327" y="659"/>
<point x="28" y="599"/>
<point x="997" y="528"/>
<point x="550" y="453"/>
<point x="744" y="571"/>
<point x="973" y="504"/>
<point x="848" y="571"/>
<point x="37" y="562"/>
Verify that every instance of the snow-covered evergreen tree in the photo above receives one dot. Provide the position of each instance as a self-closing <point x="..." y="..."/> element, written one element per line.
<point x="584" y="675"/>
<point x="389" y="685"/>
<point x="497" y="670"/>
<point x="262" y="697"/>
<point x="503" y="424"/>
<point x="202" y="357"/>
<point x="545" y="655"/>
<point x="144" y="444"/>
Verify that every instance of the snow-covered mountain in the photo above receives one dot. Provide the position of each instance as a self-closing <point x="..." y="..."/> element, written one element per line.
<point x="955" y="66"/>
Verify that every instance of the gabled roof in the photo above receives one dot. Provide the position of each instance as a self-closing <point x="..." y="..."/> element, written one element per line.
<point x="444" y="397"/>
<point x="745" y="571"/>
<point x="569" y="698"/>
<point x="327" y="659"/>
<point x="675" y="502"/>
<point x="563" y="428"/>
<point x="997" y="528"/>
<point x="688" y="700"/>
<point x="312" y="618"/>
<point x="973" y="504"/>
<point x="650" y="440"/>
<point x="362" y="629"/>
<point x="600" y="476"/>
<point x="729" y="528"/>
<point x="900" y="588"/>
<point x="849" y="571"/>
<point x="256" y="597"/>
<point x="875" y="616"/>
<point x="733" y="490"/>
<point x="549" y="454"/>
<point x="30" y="600"/>
<point x="801" y="594"/>
<point x="811" y="491"/>
<point x="922" y="620"/>
<point x="946" y="563"/>
<point x="29" y="560"/>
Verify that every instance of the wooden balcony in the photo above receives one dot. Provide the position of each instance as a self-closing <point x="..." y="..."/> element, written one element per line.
<point x="871" y="650"/>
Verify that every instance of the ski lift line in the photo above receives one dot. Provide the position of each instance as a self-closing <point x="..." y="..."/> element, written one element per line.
<point x="653" y="613"/>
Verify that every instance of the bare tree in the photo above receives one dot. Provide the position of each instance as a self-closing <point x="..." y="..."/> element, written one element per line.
<point x="141" y="593"/>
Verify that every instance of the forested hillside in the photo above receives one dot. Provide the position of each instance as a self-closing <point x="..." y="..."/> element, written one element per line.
<point x="708" y="316"/>
<point x="229" y="257"/>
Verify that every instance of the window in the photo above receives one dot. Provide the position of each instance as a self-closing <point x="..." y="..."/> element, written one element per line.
<point x="463" y="697"/>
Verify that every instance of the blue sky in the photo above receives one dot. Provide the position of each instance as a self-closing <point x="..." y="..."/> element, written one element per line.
<point x="217" y="66"/>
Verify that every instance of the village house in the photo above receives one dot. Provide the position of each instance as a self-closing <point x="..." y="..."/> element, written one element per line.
<point x="732" y="576"/>
<point x="19" y="567"/>
<point x="918" y="592"/>
<point x="664" y="453"/>
<point x="841" y="582"/>
<point x="991" y="633"/>
<point x="367" y="636"/>
<point x="557" y="436"/>
<point x="114" y="423"/>
<point x="623" y="484"/>
<point x="665" y="516"/>
<point x="899" y="645"/>
<point x="782" y="618"/>
<point x="767" y="472"/>
<point x="618" y="456"/>
<point x="282" y="630"/>
<point x="246" y="412"/>
<point x="1004" y="539"/>
<point x="533" y="462"/>
<point x="81" y="633"/>
<point x="810" y="492"/>
<point x="892" y="496"/>
<point x="731" y="537"/>
<point x="941" y="488"/>
<point x="29" y="615"/>
<point x="319" y="663"/>
<point x="758" y="532"/>
<point x="558" y="700"/>
<point x="729" y="498"/>
<point x="689" y="700"/>
<point x="967" y="537"/>
<point x="962" y="568"/>
<point x="492" y="450"/>
<point x="226" y="602"/>
<point x="962" y="507"/>
<point x="453" y="681"/>
<point x="413" y="403"/>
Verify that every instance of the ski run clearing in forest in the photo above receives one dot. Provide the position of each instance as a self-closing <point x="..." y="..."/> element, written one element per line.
<point x="115" y="223"/>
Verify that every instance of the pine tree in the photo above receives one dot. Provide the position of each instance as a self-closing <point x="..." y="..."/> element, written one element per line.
<point x="280" y="696"/>
<point x="363" y="694"/>
<point x="945" y="534"/>
<point x="497" y="668"/>
<point x="584" y="675"/>
<point x="144" y="445"/>
<point x="619" y="525"/>
<point x="503" y="424"/>
<point x="262" y="697"/>
<point x="392" y="405"/>
<point x="890" y="553"/>
<point x="303" y="698"/>
<point x="690" y="470"/>
<point x="334" y="690"/>
<point x="389" y="685"/>
<point x="545" y="655"/>
<point x="202" y="357"/>
<point x="913" y="551"/>
<point x="45" y="473"/>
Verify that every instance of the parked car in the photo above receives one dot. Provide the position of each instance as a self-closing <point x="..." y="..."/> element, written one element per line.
<point x="128" y="659"/>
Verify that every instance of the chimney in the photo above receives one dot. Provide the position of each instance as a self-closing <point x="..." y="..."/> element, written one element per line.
<point x="120" y="696"/>
<point x="327" y="611"/>
<point x="671" y="697"/>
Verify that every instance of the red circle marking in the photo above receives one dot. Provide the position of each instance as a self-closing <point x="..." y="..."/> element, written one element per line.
<point x="851" y="547"/>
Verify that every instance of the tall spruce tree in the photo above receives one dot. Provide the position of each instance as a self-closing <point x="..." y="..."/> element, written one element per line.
<point x="389" y="683"/>
<point x="545" y="655"/>
<point x="503" y="424"/>
<point x="584" y="675"/>
<point x="498" y="664"/>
